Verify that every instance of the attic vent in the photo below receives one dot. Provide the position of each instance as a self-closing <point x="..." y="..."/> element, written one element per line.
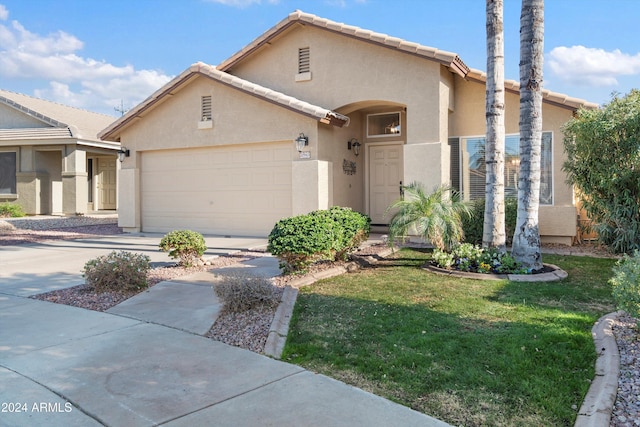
<point x="303" y="60"/>
<point x="206" y="108"/>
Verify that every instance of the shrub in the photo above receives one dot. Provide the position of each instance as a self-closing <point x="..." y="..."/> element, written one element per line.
<point x="473" y="258"/>
<point x="240" y="292"/>
<point x="626" y="284"/>
<point x="11" y="210"/>
<point x="473" y="224"/>
<point x="186" y="245"/>
<point x="299" y="241"/>
<point x="602" y="154"/>
<point x="352" y="229"/>
<point x="118" y="271"/>
<point x="436" y="216"/>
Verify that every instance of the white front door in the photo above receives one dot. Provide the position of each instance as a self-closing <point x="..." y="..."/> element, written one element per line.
<point x="106" y="183"/>
<point x="385" y="179"/>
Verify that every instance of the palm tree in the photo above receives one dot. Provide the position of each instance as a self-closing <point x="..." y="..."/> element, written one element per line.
<point x="437" y="217"/>
<point x="526" y="239"/>
<point x="493" y="235"/>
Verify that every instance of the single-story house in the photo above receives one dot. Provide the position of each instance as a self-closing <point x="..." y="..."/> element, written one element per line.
<point x="315" y="113"/>
<point x="51" y="159"/>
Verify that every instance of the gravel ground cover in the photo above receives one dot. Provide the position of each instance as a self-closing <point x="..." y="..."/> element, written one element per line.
<point x="249" y="330"/>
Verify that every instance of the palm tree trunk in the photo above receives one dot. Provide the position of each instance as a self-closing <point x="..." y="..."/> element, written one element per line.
<point x="526" y="239"/>
<point x="493" y="233"/>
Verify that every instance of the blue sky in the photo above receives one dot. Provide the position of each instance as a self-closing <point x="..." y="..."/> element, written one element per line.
<point x="97" y="54"/>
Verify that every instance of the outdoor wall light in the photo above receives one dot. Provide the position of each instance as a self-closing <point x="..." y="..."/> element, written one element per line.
<point x="355" y="145"/>
<point x="122" y="153"/>
<point x="301" y="141"/>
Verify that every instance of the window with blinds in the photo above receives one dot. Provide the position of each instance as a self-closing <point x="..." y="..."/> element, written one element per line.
<point x="469" y="177"/>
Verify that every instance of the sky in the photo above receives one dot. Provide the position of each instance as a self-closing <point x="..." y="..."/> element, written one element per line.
<point x="109" y="55"/>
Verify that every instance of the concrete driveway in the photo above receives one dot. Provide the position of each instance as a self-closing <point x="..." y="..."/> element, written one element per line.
<point x="36" y="268"/>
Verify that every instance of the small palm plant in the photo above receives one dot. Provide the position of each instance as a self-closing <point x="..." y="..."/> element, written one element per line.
<point x="437" y="217"/>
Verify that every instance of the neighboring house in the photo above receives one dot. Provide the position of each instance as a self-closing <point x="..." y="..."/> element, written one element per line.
<point x="51" y="160"/>
<point x="214" y="149"/>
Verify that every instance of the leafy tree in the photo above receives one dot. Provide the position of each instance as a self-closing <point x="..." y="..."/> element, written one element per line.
<point x="603" y="151"/>
<point x="526" y="239"/>
<point x="437" y="217"/>
<point x="494" y="228"/>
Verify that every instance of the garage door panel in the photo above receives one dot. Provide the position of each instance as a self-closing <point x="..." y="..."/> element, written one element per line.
<point x="223" y="190"/>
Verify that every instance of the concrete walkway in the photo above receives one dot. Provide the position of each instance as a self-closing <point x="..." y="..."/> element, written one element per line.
<point x="145" y="362"/>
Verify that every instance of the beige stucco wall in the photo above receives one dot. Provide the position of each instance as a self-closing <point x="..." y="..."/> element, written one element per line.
<point x="345" y="70"/>
<point x="238" y="118"/>
<point x="557" y="221"/>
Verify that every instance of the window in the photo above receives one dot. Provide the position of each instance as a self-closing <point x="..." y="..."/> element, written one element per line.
<point x="304" y="60"/>
<point x="471" y="175"/>
<point x="206" y="108"/>
<point x="8" y="173"/>
<point x="90" y="180"/>
<point x="385" y="124"/>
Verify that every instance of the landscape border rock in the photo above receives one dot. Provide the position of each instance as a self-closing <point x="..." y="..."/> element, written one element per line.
<point x="551" y="276"/>
<point x="598" y="403"/>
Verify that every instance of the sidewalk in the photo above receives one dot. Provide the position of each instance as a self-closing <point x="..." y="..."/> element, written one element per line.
<point x="145" y="362"/>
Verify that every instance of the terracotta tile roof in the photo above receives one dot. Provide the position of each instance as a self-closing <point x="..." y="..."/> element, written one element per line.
<point x="559" y="99"/>
<point x="449" y="59"/>
<point x="73" y="122"/>
<point x="201" y="69"/>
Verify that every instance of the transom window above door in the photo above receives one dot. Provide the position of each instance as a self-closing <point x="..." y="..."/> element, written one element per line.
<point x="383" y="124"/>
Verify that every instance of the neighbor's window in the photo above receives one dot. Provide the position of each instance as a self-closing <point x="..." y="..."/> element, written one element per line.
<point x="385" y="124"/>
<point x="472" y="172"/>
<point x="8" y="172"/>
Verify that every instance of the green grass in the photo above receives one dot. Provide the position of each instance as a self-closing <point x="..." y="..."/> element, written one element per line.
<point x="469" y="352"/>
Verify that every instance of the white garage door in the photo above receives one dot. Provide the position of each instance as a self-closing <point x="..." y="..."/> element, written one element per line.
<point x="234" y="190"/>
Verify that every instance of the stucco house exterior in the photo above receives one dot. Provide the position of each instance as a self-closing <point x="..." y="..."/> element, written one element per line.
<point x="51" y="159"/>
<point x="215" y="149"/>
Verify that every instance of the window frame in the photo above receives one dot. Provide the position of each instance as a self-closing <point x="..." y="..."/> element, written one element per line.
<point x="385" y="135"/>
<point x="13" y="190"/>
<point x="457" y="143"/>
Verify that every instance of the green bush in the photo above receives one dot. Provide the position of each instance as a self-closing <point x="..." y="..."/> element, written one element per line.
<point x="186" y="245"/>
<point x="602" y="155"/>
<point x="241" y="292"/>
<point x="353" y="229"/>
<point x="119" y="271"/>
<point x="473" y="224"/>
<point x="301" y="240"/>
<point x="626" y="284"/>
<point x="11" y="210"/>
<point x="473" y="258"/>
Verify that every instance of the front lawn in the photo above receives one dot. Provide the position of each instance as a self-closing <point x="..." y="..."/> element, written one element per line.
<point x="468" y="352"/>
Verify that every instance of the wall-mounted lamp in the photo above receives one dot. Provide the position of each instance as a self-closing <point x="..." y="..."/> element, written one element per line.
<point x="301" y="141"/>
<point x="122" y="153"/>
<point x="355" y="145"/>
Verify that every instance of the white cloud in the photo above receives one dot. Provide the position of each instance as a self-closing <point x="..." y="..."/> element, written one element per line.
<point x="4" y="13"/>
<point x="73" y="79"/>
<point x="583" y="66"/>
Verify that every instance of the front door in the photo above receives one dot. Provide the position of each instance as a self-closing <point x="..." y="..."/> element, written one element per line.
<point x="106" y="183"/>
<point x="385" y="180"/>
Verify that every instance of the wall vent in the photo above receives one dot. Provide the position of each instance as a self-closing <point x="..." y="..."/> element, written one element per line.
<point x="304" y="58"/>
<point x="206" y="108"/>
